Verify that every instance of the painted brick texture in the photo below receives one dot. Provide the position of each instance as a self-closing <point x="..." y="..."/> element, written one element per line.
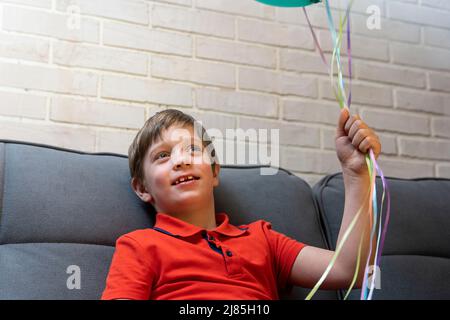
<point x="86" y="74"/>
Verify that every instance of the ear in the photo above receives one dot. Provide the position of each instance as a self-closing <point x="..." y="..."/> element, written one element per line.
<point x="216" y="174"/>
<point x="141" y="190"/>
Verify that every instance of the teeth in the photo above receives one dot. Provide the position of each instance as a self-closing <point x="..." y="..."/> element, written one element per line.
<point x="184" y="179"/>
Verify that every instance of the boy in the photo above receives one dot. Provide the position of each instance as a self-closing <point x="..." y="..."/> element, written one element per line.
<point x="194" y="253"/>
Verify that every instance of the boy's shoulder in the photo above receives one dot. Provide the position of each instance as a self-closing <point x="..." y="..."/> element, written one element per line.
<point x="255" y="224"/>
<point x="139" y="234"/>
<point x="137" y="238"/>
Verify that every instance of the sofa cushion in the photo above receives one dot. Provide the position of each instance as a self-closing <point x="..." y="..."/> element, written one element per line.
<point x="416" y="256"/>
<point x="61" y="207"/>
<point x="51" y="195"/>
<point x="53" y="270"/>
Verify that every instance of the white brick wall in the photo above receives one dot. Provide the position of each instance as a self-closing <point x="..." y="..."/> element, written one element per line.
<point x="86" y="74"/>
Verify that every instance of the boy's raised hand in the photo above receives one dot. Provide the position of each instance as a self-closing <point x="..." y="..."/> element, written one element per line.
<point x="353" y="140"/>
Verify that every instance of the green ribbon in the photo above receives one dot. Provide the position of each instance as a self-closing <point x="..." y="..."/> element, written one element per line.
<point x="289" y="3"/>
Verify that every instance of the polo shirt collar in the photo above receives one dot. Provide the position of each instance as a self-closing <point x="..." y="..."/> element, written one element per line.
<point x="178" y="227"/>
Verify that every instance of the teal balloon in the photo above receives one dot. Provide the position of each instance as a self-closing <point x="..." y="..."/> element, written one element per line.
<point x="289" y="3"/>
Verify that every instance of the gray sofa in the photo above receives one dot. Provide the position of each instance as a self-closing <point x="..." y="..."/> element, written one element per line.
<point x="63" y="208"/>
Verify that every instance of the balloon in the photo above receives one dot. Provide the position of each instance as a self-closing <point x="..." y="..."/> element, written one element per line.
<point x="289" y="3"/>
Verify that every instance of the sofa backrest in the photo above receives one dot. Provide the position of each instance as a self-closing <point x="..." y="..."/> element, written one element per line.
<point x="416" y="256"/>
<point x="61" y="212"/>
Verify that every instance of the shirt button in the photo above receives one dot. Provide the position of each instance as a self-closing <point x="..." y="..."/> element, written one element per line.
<point x="229" y="253"/>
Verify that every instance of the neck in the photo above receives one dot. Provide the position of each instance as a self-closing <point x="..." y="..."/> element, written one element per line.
<point x="203" y="217"/>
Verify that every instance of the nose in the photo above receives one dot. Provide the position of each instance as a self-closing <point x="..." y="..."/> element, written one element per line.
<point x="181" y="159"/>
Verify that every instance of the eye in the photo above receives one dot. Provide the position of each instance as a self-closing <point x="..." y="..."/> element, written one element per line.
<point x="194" y="148"/>
<point x="162" y="155"/>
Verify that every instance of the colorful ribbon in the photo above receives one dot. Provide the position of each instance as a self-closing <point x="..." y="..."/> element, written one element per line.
<point x="373" y="168"/>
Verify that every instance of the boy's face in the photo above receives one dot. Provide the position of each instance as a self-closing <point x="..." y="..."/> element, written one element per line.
<point x="179" y="155"/>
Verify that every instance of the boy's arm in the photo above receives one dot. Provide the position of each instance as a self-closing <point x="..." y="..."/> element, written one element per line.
<point x="354" y="139"/>
<point x="312" y="262"/>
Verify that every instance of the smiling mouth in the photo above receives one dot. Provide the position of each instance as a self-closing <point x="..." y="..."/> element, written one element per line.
<point x="185" y="180"/>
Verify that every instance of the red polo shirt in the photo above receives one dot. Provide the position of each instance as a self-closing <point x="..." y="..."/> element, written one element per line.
<point x="176" y="260"/>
